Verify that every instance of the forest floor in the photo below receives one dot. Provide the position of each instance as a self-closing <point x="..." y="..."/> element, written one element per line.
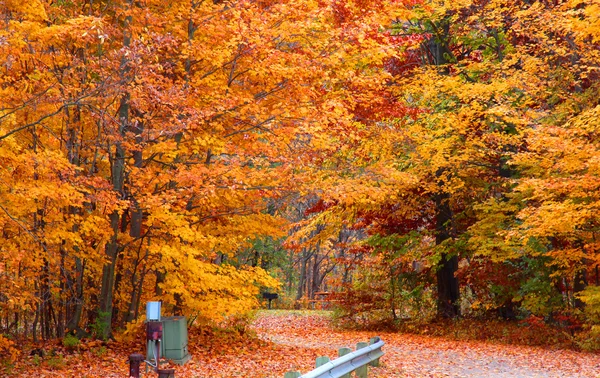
<point x="280" y="341"/>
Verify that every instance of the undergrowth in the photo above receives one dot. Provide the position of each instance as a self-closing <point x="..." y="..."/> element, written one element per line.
<point x="532" y="331"/>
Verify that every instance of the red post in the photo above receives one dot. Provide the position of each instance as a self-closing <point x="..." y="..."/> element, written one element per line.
<point x="134" y="365"/>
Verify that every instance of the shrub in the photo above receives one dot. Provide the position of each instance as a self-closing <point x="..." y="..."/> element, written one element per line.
<point x="100" y="327"/>
<point x="56" y="362"/>
<point x="100" y="351"/>
<point x="70" y="342"/>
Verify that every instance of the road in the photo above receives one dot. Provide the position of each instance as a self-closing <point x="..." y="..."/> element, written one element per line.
<point x="422" y="356"/>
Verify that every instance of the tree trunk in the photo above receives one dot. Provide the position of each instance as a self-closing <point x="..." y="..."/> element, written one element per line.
<point x="314" y="287"/>
<point x="290" y="272"/>
<point x="46" y="302"/>
<point x="36" y="318"/>
<point x="302" y="278"/>
<point x="117" y="178"/>
<point x="448" y="289"/>
<point x="579" y="284"/>
<point x="108" y="279"/>
<point x="160" y="279"/>
<point x="137" y="281"/>
<point x="75" y="319"/>
<point x="62" y="306"/>
<point x="136" y="295"/>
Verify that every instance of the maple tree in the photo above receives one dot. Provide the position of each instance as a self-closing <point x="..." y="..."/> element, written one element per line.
<point x="540" y="223"/>
<point x="141" y="155"/>
<point x="481" y="90"/>
<point x="410" y="152"/>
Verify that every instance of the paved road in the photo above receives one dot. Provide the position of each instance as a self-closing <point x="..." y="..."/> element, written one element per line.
<point x="421" y="356"/>
<point x="465" y="360"/>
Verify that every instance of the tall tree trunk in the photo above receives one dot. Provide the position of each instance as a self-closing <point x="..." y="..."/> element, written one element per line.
<point x="448" y="289"/>
<point x="160" y="279"/>
<point x="75" y="318"/>
<point x="46" y="301"/>
<point x="112" y="247"/>
<point x="302" y="278"/>
<point x="314" y="287"/>
<point x="36" y="318"/>
<point x="62" y="307"/>
<point x="108" y="278"/>
<point x="290" y="272"/>
<point x="137" y="281"/>
<point x="580" y="282"/>
<point x="117" y="178"/>
<point x="139" y="295"/>
<point x="74" y="280"/>
<point x="135" y="298"/>
<point x="316" y="273"/>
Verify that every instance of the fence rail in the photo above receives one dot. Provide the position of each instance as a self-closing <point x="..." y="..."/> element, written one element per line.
<point x="365" y="354"/>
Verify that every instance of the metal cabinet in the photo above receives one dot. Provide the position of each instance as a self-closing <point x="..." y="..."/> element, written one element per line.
<point x="175" y="339"/>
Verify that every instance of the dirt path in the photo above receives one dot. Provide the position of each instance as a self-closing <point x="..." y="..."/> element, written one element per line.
<point x="420" y="356"/>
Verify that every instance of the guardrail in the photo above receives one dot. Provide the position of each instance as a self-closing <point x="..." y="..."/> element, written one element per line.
<point x="348" y="362"/>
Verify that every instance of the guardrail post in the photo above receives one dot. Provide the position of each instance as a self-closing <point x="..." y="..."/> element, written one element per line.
<point x="347" y="362"/>
<point x="373" y="340"/>
<point x="322" y="361"/>
<point x="361" y="372"/>
<point x="342" y="352"/>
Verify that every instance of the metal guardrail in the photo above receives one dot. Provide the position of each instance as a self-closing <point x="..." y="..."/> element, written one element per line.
<point x="348" y="363"/>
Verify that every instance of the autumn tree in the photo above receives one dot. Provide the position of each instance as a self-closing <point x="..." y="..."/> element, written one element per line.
<point x="545" y="217"/>
<point x="144" y="143"/>
<point x="470" y="88"/>
<point x="147" y="147"/>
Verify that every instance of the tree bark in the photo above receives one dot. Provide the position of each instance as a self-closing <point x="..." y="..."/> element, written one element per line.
<point x="117" y="178"/>
<point x="448" y="289"/>
<point x="302" y="278"/>
<point x="73" y="323"/>
<point x="579" y="284"/>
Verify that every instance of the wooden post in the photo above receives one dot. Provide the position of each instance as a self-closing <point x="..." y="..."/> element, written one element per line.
<point x="322" y="360"/>
<point x="361" y="372"/>
<point x="373" y="340"/>
<point x="342" y="352"/>
<point x="292" y="374"/>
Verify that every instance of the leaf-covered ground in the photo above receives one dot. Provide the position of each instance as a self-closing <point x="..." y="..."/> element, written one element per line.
<point x="422" y="356"/>
<point x="292" y="340"/>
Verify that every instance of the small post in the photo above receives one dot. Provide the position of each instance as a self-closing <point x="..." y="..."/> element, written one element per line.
<point x="292" y="374"/>
<point x="270" y="297"/>
<point x="342" y="352"/>
<point x="135" y="360"/>
<point x="374" y="363"/>
<point x="361" y="372"/>
<point x="166" y="373"/>
<point x="322" y="361"/>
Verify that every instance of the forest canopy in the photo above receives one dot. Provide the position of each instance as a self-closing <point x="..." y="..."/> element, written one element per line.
<point x="399" y="152"/>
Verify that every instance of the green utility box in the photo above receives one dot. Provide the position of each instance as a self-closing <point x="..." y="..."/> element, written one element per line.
<point x="174" y="342"/>
<point x="175" y="339"/>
